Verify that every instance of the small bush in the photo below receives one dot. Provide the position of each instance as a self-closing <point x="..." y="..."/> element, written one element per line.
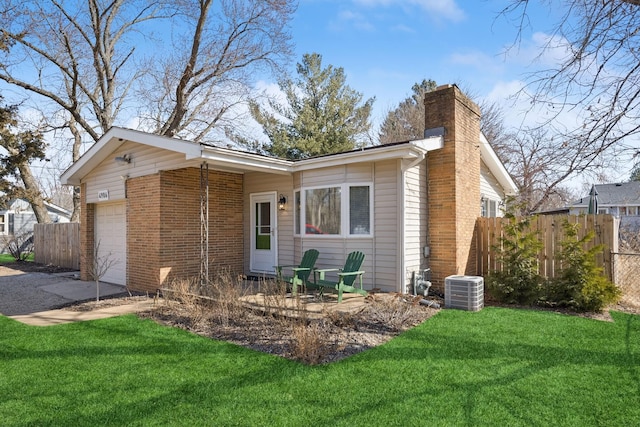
<point x="519" y="281"/>
<point x="395" y="311"/>
<point x="509" y="288"/>
<point x="581" y="285"/>
<point x="20" y="245"/>
<point x="310" y="343"/>
<point x="187" y="293"/>
<point x="218" y="298"/>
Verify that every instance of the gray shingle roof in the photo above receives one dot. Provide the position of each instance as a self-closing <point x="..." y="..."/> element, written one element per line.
<point x="618" y="194"/>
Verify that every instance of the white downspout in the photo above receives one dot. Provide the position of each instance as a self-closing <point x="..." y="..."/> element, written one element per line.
<point x="403" y="195"/>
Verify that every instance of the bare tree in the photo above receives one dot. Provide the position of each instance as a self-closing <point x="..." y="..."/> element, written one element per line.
<point x="406" y="121"/>
<point x="180" y="65"/>
<point x="98" y="265"/>
<point x="539" y="163"/>
<point x="598" y="76"/>
<point x="539" y="169"/>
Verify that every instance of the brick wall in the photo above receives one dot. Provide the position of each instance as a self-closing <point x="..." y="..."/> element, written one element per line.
<point x="87" y="233"/>
<point x="453" y="183"/>
<point x="143" y="233"/>
<point x="163" y="233"/>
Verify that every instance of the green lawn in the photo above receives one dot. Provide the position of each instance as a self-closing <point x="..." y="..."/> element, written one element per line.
<point x="5" y="258"/>
<point x="495" y="367"/>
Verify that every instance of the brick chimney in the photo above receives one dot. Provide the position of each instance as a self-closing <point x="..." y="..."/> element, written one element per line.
<point x="453" y="183"/>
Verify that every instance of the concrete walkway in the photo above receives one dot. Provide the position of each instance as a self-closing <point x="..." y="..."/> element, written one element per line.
<point x="36" y="298"/>
<point x="60" y="316"/>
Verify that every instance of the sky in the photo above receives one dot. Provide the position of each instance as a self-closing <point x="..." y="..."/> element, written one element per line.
<point x="386" y="46"/>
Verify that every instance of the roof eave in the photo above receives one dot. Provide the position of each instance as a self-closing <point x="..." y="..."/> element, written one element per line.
<point x="114" y="138"/>
<point x="408" y="150"/>
<point x="244" y="161"/>
<point x="496" y="167"/>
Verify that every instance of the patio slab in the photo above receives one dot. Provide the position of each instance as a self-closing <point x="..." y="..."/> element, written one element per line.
<point x="311" y="306"/>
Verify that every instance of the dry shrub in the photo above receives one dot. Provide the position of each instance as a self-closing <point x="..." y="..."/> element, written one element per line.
<point x="226" y="291"/>
<point x="629" y="239"/>
<point x="275" y="297"/>
<point x="186" y="292"/>
<point x="310" y="342"/>
<point x="341" y="319"/>
<point x="217" y="300"/>
<point x="396" y="311"/>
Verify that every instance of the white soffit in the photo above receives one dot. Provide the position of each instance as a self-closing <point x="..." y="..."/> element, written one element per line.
<point x="490" y="158"/>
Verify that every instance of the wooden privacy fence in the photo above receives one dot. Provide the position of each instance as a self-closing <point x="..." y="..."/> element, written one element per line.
<point x="57" y="244"/>
<point x="551" y="234"/>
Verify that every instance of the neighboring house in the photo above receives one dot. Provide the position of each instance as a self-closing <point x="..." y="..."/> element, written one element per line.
<point x="622" y="200"/>
<point x="407" y="205"/>
<point x="19" y="218"/>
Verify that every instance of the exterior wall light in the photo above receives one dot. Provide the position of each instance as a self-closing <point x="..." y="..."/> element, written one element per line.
<point x="126" y="158"/>
<point x="282" y="201"/>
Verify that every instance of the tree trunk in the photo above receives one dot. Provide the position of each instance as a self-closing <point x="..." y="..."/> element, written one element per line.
<point x="77" y="143"/>
<point x="33" y="194"/>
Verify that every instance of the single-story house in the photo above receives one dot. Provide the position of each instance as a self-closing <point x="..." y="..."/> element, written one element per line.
<point x="161" y="205"/>
<point x="18" y="217"/>
<point x="622" y="200"/>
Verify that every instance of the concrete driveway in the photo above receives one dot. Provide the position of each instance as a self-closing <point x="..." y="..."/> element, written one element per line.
<point x="25" y="292"/>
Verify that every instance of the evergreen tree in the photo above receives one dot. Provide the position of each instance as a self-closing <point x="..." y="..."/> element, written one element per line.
<point x="321" y="115"/>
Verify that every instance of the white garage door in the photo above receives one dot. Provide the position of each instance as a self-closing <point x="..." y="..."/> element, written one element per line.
<point x="111" y="234"/>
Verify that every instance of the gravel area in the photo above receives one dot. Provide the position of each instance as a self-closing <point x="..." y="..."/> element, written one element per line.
<point x="21" y="293"/>
<point x="33" y="288"/>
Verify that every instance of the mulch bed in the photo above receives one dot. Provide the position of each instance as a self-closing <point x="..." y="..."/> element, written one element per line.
<point x="32" y="267"/>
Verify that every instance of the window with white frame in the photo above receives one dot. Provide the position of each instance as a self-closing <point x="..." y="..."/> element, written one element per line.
<point x="489" y="208"/>
<point x="339" y="210"/>
<point x="3" y="224"/>
<point x="629" y="210"/>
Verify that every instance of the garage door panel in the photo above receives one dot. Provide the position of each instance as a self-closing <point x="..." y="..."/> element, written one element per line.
<point x="111" y="235"/>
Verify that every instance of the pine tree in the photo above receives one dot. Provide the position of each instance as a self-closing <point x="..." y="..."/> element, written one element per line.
<point x="321" y="115"/>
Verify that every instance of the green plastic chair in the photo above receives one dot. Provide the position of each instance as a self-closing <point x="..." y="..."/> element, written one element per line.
<point x="301" y="272"/>
<point x="347" y="275"/>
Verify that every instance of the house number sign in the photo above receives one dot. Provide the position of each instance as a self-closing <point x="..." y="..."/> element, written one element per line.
<point x="103" y="195"/>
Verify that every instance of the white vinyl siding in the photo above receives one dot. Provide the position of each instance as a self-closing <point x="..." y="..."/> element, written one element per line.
<point x="145" y="160"/>
<point x="491" y="191"/>
<point x="388" y="228"/>
<point x="415" y="217"/>
<point x="334" y="249"/>
<point x="258" y="182"/>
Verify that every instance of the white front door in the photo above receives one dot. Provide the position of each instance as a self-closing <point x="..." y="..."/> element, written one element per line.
<point x="264" y="237"/>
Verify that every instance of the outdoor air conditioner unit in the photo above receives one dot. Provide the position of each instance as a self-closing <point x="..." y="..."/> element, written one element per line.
<point x="464" y="292"/>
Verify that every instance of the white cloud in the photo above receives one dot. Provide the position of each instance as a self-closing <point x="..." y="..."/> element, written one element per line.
<point x="476" y="59"/>
<point x="447" y="9"/>
<point x="404" y="29"/>
<point x="356" y="19"/>
<point x="541" y="50"/>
